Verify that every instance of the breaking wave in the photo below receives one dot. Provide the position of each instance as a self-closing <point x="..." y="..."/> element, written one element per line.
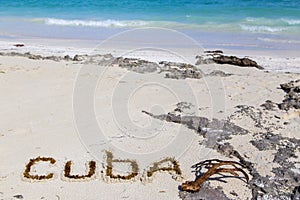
<point x="262" y="29"/>
<point x="96" y="23"/>
<point x="252" y="25"/>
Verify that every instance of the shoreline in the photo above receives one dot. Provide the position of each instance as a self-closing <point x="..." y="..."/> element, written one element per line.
<point x="271" y="60"/>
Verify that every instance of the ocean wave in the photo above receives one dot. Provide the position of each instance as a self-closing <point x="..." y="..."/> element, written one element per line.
<point x="292" y="21"/>
<point x="262" y="29"/>
<point x="284" y="41"/>
<point x="261" y="21"/>
<point x="96" y="23"/>
<point x="109" y="23"/>
<point x="254" y="27"/>
<point x="269" y="21"/>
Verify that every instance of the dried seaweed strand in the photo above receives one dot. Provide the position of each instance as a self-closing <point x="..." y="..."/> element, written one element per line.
<point x="213" y="168"/>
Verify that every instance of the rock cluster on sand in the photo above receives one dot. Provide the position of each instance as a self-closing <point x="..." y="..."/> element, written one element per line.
<point x="136" y="65"/>
<point x="215" y="132"/>
<point x="292" y="97"/>
<point x="233" y="60"/>
<point x="218" y="57"/>
<point x="180" y="70"/>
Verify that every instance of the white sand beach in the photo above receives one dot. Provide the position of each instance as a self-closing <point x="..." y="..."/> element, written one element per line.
<point x="43" y="103"/>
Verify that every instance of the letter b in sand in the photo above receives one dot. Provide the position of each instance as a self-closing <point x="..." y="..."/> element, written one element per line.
<point x="109" y="167"/>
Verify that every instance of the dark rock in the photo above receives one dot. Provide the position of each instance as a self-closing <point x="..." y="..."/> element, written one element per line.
<point x="285" y="180"/>
<point x="19" y="196"/>
<point x="167" y="65"/>
<point x="204" y="60"/>
<point x="180" y="70"/>
<point x="269" y="105"/>
<point x="218" y="73"/>
<point x="78" y="58"/>
<point x="54" y="58"/>
<point x="292" y="97"/>
<point x="205" y="193"/>
<point x="287" y="86"/>
<point x="296" y="193"/>
<point x="183" y="74"/>
<point x="67" y="57"/>
<point x="233" y="60"/>
<point x="136" y="65"/>
<point x="88" y="59"/>
<point x="19" y="45"/>
<point x="214" y="52"/>
<point x="35" y="57"/>
<point x="297" y="89"/>
<point x="213" y="130"/>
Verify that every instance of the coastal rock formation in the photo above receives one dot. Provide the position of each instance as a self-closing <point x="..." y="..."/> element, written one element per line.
<point x="214" y="52"/>
<point x="233" y="60"/>
<point x="286" y="180"/>
<point x="292" y="97"/>
<point x="204" y="59"/>
<point x="212" y="130"/>
<point x="172" y="70"/>
<point x="218" y="73"/>
<point x="284" y="184"/>
<point x="180" y="70"/>
<point x="77" y="58"/>
<point x="207" y="193"/>
<point x="136" y="65"/>
<point x="269" y="105"/>
<point x="218" y="58"/>
<point x="19" y="45"/>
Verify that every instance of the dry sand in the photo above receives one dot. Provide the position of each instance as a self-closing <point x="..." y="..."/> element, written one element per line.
<point x="39" y="118"/>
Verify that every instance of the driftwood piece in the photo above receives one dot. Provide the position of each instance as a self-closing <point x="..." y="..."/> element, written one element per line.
<point x="214" y="167"/>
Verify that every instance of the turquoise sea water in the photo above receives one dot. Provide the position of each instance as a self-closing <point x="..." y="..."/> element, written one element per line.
<point x="278" y="19"/>
<point x="281" y="16"/>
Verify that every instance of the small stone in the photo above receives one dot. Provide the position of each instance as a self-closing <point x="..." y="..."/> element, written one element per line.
<point x="67" y="57"/>
<point x="18" y="196"/>
<point x="78" y="58"/>
<point x="19" y="45"/>
<point x="268" y="105"/>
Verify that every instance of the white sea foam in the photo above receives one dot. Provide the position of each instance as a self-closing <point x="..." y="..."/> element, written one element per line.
<point x="109" y="23"/>
<point x="96" y="23"/>
<point x="291" y="21"/>
<point x="262" y="29"/>
<point x="263" y="21"/>
<point x="279" y="40"/>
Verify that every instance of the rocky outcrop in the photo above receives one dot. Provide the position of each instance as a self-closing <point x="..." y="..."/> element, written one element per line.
<point x="19" y="45"/>
<point x="218" y="73"/>
<point x="180" y="70"/>
<point x="213" y="130"/>
<point x="284" y="184"/>
<point x="269" y="105"/>
<point x="136" y="65"/>
<point x="233" y="60"/>
<point x="214" y="52"/>
<point x="292" y="97"/>
<point x="218" y="57"/>
<point x="76" y="58"/>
